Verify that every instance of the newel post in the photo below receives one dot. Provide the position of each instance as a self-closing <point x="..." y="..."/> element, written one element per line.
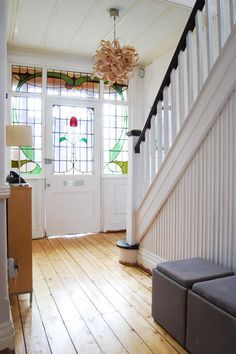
<point x="128" y="248"/>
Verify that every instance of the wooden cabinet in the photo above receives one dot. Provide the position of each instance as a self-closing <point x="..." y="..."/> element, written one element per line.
<point x="19" y="225"/>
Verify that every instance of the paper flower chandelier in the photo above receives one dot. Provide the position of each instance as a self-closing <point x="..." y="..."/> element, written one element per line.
<point x="112" y="62"/>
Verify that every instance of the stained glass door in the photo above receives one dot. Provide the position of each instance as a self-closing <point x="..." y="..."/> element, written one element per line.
<point x="72" y="168"/>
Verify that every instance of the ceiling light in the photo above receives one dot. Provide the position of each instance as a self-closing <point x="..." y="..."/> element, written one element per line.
<point x="112" y="62"/>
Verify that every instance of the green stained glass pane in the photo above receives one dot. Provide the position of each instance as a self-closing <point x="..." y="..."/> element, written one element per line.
<point x="62" y="139"/>
<point x="70" y="83"/>
<point x="27" y="110"/>
<point x="26" y="79"/>
<point x="116" y="92"/>
<point x="84" y="140"/>
<point x="115" y="139"/>
<point x="123" y="165"/>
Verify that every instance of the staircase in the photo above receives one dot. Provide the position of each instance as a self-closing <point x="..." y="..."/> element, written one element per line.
<point x="182" y="192"/>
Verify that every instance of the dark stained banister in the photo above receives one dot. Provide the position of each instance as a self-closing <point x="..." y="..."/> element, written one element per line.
<point x="173" y="65"/>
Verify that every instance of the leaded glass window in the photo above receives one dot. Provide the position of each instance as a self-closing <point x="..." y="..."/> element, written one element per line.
<point x="115" y="125"/>
<point x="70" y="83"/>
<point x="73" y="140"/>
<point x="27" y="110"/>
<point x="116" y="92"/>
<point x="26" y="79"/>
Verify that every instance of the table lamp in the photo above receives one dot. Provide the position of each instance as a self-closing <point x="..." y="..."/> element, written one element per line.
<point x="19" y="135"/>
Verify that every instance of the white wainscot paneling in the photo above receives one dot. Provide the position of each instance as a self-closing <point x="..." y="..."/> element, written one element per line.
<point x="38" y="208"/>
<point x="114" y="203"/>
<point x="199" y="216"/>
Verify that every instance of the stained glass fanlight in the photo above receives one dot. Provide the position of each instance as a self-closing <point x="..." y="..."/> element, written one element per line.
<point x="72" y="83"/>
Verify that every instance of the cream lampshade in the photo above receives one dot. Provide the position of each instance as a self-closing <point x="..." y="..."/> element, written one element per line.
<point x="19" y="135"/>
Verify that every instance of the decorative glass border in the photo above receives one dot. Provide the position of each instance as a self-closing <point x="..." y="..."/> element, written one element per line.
<point x="71" y="83"/>
<point x="26" y="79"/>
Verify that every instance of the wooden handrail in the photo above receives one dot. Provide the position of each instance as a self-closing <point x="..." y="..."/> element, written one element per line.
<point x="173" y="65"/>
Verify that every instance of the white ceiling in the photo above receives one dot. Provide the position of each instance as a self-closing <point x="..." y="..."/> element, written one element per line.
<point x="77" y="26"/>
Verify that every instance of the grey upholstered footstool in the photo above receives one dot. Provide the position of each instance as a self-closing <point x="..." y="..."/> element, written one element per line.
<point x="211" y="317"/>
<point x="171" y="282"/>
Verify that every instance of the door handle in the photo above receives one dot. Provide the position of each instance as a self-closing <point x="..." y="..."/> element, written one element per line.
<point x="48" y="185"/>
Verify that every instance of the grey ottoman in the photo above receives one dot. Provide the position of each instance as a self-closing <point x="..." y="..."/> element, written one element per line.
<point x="211" y="317"/>
<point x="171" y="282"/>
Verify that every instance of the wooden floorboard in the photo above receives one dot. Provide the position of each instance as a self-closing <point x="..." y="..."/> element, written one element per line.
<point x="86" y="302"/>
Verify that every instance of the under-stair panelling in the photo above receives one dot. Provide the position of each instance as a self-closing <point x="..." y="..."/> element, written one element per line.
<point x="199" y="216"/>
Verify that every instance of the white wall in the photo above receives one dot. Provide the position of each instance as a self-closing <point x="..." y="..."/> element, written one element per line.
<point x="154" y="74"/>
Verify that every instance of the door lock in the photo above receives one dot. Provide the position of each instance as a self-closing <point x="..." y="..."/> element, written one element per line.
<point x="48" y="185"/>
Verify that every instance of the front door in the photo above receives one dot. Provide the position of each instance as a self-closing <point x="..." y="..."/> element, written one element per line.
<point x="72" y="168"/>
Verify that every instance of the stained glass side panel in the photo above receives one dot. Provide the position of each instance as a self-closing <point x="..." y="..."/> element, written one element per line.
<point x="26" y="79"/>
<point x="27" y="110"/>
<point x="116" y="92"/>
<point x="70" y="83"/>
<point x="115" y="125"/>
<point x="73" y="140"/>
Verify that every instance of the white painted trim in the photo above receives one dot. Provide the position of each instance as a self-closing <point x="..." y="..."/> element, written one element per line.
<point x="55" y="60"/>
<point x="7" y="336"/>
<point x="4" y="191"/>
<point x="203" y="114"/>
<point x="147" y="259"/>
<point x="38" y="232"/>
<point x="188" y="4"/>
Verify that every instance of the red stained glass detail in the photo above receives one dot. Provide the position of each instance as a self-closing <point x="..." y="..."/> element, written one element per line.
<point x="68" y="86"/>
<point x="73" y="122"/>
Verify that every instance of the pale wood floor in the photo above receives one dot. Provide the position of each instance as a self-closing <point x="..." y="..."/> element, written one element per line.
<point x="86" y="302"/>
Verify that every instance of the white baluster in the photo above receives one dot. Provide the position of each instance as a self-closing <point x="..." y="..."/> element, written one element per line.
<point x="152" y="148"/>
<point x="166" y="121"/>
<point x="232" y="12"/>
<point x="173" y="104"/>
<point x="181" y="88"/>
<point x="221" y="22"/>
<point x="199" y="49"/>
<point x="141" y="173"/>
<point x="156" y="138"/>
<point x="146" y="161"/>
<point x="159" y="133"/>
<point x="190" y="69"/>
<point x="149" y="155"/>
<point x="210" y="32"/>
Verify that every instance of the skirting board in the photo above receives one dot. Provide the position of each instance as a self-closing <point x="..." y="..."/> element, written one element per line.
<point x="148" y="260"/>
<point x="37" y="232"/>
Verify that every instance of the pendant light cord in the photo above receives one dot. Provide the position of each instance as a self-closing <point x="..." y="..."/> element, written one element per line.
<point x="114" y="28"/>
